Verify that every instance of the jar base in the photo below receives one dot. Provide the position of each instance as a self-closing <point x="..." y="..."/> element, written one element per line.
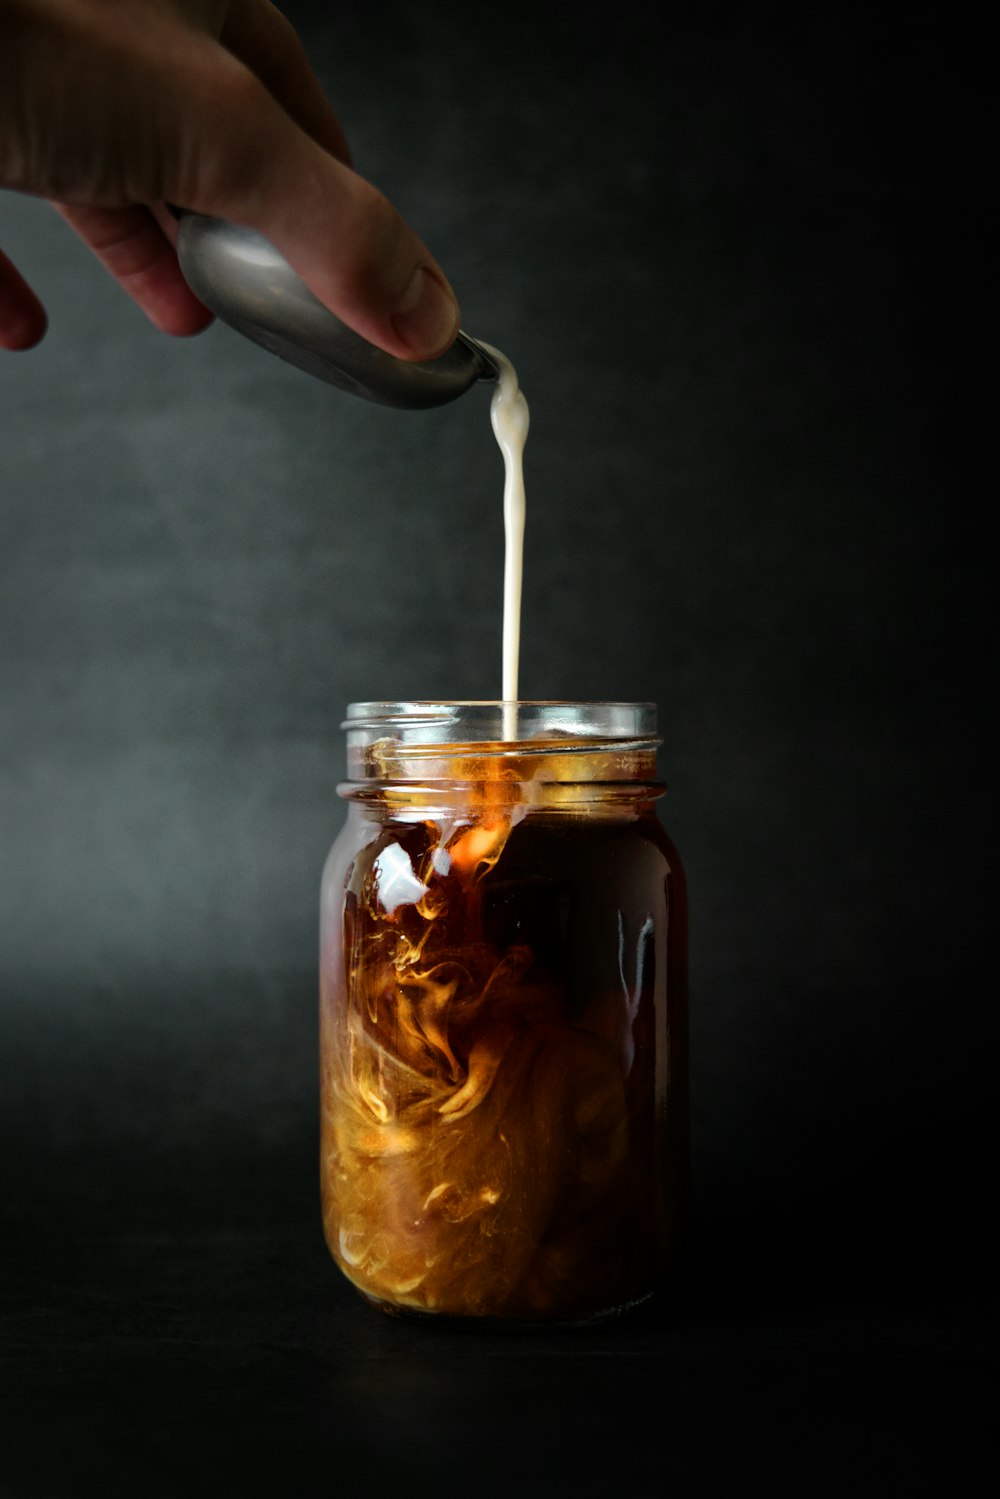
<point x="457" y="1322"/>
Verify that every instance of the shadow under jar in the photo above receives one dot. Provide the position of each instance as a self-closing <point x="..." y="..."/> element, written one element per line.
<point x="503" y="1013"/>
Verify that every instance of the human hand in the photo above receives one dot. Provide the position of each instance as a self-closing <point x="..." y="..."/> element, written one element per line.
<point x="113" y="110"/>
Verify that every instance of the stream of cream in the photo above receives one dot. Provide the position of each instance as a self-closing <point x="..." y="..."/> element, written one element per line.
<point x="509" y="414"/>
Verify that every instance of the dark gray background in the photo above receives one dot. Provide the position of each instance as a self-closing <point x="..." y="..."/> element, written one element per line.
<point x="732" y="259"/>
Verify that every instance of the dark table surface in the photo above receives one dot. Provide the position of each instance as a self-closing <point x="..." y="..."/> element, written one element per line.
<point x="183" y="1339"/>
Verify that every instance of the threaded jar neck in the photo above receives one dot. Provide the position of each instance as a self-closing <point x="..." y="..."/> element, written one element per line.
<point x="558" y="746"/>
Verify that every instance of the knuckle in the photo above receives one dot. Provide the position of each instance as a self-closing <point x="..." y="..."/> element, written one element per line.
<point x="376" y="242"/>
<point x="222" y="153"/>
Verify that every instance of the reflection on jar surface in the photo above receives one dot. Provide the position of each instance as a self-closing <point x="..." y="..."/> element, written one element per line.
<point x="503" y="1015"/>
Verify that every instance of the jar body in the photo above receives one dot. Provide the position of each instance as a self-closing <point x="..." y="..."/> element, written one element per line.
<point x="503" y="1051"/>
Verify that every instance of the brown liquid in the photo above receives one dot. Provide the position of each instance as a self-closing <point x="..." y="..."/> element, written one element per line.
<point x="501" y="1132"/>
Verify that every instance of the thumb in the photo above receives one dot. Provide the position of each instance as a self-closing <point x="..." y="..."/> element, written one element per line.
<point x="352" y="248"/>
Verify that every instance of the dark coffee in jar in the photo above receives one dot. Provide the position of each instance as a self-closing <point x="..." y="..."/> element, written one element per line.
<point x="504" y="1029"/>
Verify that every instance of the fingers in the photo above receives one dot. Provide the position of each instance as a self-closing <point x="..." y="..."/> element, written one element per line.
<point x="361" y="259"/>
<point x="159" y="112"/>
<point x="352" y="248"/>
<point x="22" y="316"/>
<point x="130" y="243"/>
<point x="258" y="34"/>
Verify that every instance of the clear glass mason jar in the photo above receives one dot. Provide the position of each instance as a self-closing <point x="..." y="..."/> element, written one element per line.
<point x="503" y="1012"/>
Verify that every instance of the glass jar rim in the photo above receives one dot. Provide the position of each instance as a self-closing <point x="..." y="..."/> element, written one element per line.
<point x="441" y="721"/>
<point x="488" y="741"/>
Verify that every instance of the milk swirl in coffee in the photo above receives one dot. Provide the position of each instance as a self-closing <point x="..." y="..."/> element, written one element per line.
<point x="492" y="1065"/>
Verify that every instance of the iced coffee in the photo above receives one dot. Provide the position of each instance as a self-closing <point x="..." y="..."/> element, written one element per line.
<point x="503" y="1016"/>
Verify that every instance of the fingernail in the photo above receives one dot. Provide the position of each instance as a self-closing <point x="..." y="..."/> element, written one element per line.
<point x="426" y="315"/>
